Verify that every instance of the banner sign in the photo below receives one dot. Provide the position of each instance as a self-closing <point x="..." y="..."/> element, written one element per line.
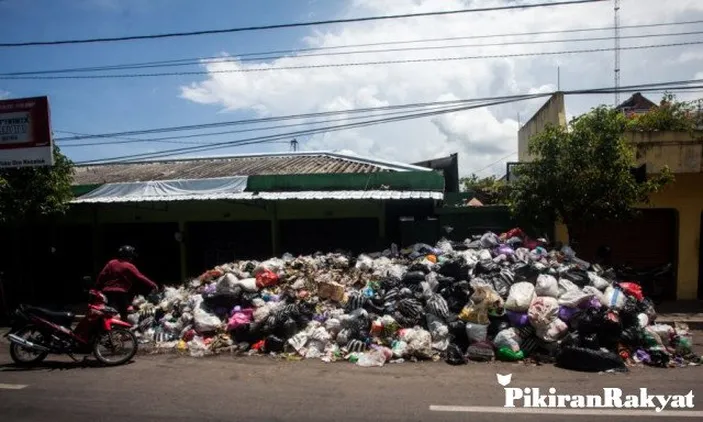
<point x="25" y="133"/>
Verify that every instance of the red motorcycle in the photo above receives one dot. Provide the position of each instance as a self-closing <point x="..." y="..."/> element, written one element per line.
<point x="37" y="332"/>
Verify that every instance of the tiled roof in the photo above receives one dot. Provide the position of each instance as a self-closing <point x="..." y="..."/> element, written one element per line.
<point x="241" y="165"/>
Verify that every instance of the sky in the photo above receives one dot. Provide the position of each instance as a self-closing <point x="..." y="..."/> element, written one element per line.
<point x="484" y="138"/>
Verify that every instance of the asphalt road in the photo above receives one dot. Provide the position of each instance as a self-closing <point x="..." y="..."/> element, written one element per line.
<point x="173" y="388"/>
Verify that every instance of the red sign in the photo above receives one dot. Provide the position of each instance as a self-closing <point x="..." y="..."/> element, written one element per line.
<point x="25" y="133"/>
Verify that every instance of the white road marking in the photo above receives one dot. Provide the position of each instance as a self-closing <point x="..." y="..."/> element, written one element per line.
<point x="574" y="412"/>
<point x="12" y="386"/>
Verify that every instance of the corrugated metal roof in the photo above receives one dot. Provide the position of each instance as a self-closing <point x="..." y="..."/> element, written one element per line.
<point x="241" y="165"/>
<point x="274" y="196"/>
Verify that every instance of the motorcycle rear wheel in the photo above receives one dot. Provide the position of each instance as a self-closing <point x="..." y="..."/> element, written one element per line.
<point x="111" y="337"/>
<point x="18" y="353"/>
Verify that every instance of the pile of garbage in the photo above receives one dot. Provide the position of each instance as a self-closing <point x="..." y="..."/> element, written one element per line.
<point x="492" y="297"/>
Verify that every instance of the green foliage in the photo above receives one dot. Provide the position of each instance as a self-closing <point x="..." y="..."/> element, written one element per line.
<point x="489" y="190"/>
<point x="669" y="115"/>
<point x="581" y="175"/>
<point x="29" y="193"/>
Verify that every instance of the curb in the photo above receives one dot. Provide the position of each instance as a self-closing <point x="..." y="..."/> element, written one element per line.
<point x="693" y="325"/>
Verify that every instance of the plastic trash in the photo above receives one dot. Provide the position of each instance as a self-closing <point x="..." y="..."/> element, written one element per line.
<point x="371" y="358"/>
<point x="506" y="354"/>
<point x="508" y="338"/>
<point x="476" y="332"/>
<point x="613" y="298"/>
<point x="455" y="356"/>
<point x="520" y="297"/>
<point x="547" y="285"/>
<point x="587" y="360"/>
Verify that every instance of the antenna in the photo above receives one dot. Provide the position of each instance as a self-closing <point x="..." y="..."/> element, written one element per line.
<point x="616" y="10"/>
<point x="294" y="145"/>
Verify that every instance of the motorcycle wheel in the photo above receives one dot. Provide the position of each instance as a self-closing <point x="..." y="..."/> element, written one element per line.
<point x="23" y="356"/>
<point x="115" y="340"/>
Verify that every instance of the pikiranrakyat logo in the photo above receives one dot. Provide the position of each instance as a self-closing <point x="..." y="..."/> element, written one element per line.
<point x="611" y="398"/>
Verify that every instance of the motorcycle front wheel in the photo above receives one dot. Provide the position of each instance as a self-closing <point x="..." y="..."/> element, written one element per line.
<point x="23" y="356"/>
<point x="115" y="347"/>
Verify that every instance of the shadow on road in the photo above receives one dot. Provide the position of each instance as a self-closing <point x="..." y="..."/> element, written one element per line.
<point x="55" y="365"/>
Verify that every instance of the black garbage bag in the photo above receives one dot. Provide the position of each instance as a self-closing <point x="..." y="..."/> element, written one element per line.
<point x="633" y="337"/>
<point x="243" y="334"/>
<point x="590" y="341"/>
<point x="659" y="358"/>
<point x="357" y="300"/>
<point x="588" y="321"/>
<point x="444" y="282"/>
<point x="419" y="268"/>
<point x="587" y="360"/>
<point x="610" y="331"/>
<point x="413" y="277"/>
<point x="451" y="268"/>
<point x="455" y="356"/>
<point x="577" y="276"/>
<point x="459" y="246"/>
<point x="221" y="300"/>
<point x="457" y="333"/>
<point x="486" y="267"/>
<point x="499" y="285"/>
<point x="274" y="344"/>
<point x="628" y="313"/>
<point x="287" y="329"/>
<point x="525" y="272"/>
<point x="496" y="325"/>
<point x="247" y="299"/>
<point x="389" y="283"/>
<point x="646" y="306"/>
<point x="572" y="339"/>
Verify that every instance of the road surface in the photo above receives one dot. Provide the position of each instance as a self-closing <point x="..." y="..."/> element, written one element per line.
<point x="172" y="389"/>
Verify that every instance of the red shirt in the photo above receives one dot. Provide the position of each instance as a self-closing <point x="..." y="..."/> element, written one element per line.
<point x="119" y="276"/>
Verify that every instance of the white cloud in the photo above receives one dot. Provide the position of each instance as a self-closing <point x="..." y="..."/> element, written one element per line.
<point x="4" y="94"/>
<point x="480" y="136"/>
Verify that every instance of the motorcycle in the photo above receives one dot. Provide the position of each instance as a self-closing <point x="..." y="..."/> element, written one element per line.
<point x="37" y="332"/>
<point x="653" y="280"/>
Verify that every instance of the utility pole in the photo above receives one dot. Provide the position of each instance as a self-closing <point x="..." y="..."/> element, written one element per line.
<point x="616" y="10"/>
<point x="294" y="145"/>
<point x="559" y="78"/>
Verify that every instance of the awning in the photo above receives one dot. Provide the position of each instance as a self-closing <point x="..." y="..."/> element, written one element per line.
<point x="176" y="189"/>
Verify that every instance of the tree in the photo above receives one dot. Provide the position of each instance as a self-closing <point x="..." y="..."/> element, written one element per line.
<point x="582" y="175"/>
<point x="488" y="190"/>
<point x="30" y="193"/>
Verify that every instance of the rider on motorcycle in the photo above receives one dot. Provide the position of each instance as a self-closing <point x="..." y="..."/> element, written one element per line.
<point x="118" y="278"/>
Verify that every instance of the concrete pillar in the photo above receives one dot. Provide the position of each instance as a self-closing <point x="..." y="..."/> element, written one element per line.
<point x="688" y="253"/>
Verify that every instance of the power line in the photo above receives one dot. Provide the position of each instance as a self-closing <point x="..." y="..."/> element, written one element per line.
<point x="418" y="105"/>
<point x="351" y="64"/>
<point x="294" y="24"/>
<point x="256" y="129"/>
<point x="201" y="60"/>
<point x="280" y="118"/>
<point x="263" y="139"/>
<point x="494" y="163"/>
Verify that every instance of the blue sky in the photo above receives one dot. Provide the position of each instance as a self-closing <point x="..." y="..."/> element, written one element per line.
<point x="485" y="138"/>
<point x="114" y="105"/>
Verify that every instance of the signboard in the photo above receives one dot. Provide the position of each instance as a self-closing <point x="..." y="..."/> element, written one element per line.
<point x="25" y="133"/>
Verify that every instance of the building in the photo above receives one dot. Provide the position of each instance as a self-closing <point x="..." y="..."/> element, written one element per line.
<point x="188" y="215"/>
<point x="669" y="231"/>
<point x="637" y="104"/>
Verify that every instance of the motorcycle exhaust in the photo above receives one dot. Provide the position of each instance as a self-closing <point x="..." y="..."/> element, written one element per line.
<point x="27" y="344"/>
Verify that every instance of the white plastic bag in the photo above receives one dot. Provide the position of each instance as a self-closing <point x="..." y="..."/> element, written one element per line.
<point x="553" y="331"/>
<point x="597" y="281"/>
<point x="573" y="298"/>
<point x="372" y="358"/>
<point x="205" y="322"/>
<point x="547" y="286"/>
<point x="543" y="311"/>
<point x="613" y="298"/>
<point x="520" y="297"/>
<point x="248" y="284"/>
<point x="565" y="285"/>
<point x="439" y="332"/>
<point x="509" y="337"/>
<point x="419" y="342"/>
<point x="594" y="293"/>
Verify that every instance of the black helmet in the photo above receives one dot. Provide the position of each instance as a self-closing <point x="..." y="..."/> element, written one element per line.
<point x="126" y="252"/>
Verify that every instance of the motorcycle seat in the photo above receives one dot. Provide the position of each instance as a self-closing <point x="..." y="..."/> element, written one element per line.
<point x="59" y="317"/>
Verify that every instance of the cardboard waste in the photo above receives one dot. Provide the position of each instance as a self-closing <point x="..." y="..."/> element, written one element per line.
<point x="504" y="297"/>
